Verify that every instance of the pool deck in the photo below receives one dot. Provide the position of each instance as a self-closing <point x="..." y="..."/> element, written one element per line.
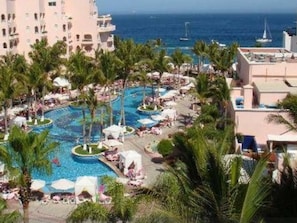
<point x="51" y="212"/>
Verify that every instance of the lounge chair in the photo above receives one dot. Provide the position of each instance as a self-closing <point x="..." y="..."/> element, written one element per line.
<point x="104" y="199"/>
<point x="112" y="157"/>
<point x="72" y="200"/>
<point x="56" y="199"/>
<point x="135" y="183"/>
<point x="65" y="200"/>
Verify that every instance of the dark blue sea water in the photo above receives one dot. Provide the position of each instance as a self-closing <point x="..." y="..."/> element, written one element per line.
<point x="225" y="28"/>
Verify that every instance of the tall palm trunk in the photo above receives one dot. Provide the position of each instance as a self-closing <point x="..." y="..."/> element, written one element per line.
<point x="5" y="119"/>
<point x="143" y="94"/>
<point x="25" y="192"/>
<point x="111" y="110"/>
<point x="42" y="100"/>
<point x="93" y="114"/>
<point x="122" y="116"/>
<point x="84" y="126"/>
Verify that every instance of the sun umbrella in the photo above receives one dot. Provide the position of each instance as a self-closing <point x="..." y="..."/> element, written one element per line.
<point x="146" y="121"/>
<point x="170" y="103"/>
<point x="112" y="142"/>
<point x="37" y="184"/>
<point x="62" y="184"/>
<point x="157" y="117"/>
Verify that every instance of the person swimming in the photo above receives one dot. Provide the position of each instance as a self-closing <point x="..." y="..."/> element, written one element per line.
<point x="56" y="161"/>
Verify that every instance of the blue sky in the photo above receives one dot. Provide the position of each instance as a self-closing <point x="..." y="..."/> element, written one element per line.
<point x="196" y="6"/>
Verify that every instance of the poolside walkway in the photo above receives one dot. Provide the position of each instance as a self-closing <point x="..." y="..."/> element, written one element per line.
<point x="51" y="212"/>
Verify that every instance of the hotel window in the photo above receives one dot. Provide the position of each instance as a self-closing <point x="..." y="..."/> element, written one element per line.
<point x="3" y="32"/>
<point x="13" y="16"/>
<point x="5" y="45"/>
<point x="35" y="16"/>
<point x="77" y="37"/>
<point x="64" y="28"/>
<point x="14" y="29"/>
<point x="10" y="44"/>
<point x="9" y="31"/>
<point x="9" y="17"/>
<point x="2" y="18"/>
<point x="52" y="3"/>
<point x="36" y="29"/>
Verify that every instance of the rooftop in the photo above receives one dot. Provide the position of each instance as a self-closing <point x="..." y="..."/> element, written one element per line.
<point x="277" y="86"/>
<point x="268" y="55"/>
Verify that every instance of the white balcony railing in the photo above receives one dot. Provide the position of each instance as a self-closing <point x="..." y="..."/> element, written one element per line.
<point x="108" y="28"/>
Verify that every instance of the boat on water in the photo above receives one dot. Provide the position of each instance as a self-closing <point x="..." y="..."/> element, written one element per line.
<point x="186" y="36"/>
<point x="221" y="45"/>
<point x="266" y="38"/>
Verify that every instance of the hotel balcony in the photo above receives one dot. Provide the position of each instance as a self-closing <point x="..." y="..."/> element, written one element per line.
<point x="44" y="34"/>
<point x="104" y="18"/>
<point x="106" y="28"/>
<point x="13" y="36"/>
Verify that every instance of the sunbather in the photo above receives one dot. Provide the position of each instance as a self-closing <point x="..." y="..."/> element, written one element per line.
<point x="112" y="157"/>
<point x="111" y="152"/>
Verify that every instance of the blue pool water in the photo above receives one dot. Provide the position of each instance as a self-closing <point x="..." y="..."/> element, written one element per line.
<point x="67" y="130"/>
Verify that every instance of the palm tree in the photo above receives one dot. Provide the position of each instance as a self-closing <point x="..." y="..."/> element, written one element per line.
<point x="10" y="217"/>
<point x="94" y="212"/>
<point x="92" y="104"/>
<point x="35" y="85"/>
<point x="12" y="79"/>
<point x="81" y="71"/>
<point x="290" y="104"/>
<point x="49" y="59"/>
<point x="221" y="94"/>
<point x="144" y="80"/>
<point x="202" y="87"/>
<point x="128" y="53"/>
<point x="179" y="58"/>
<point x="198" y="187"/>
<point x="108" y="65"/>
<point x="161" y="63"/>
<point x="25" y="153"/>
<point x="122" y="208"/>
<point x="200" y="49"/>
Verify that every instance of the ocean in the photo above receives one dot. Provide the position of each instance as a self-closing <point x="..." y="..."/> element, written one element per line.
<point x="224" y="28"/>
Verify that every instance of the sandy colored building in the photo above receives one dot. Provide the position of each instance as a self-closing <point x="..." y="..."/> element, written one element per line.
<point x="265" y="77"/>
<point x="76" y="22"/>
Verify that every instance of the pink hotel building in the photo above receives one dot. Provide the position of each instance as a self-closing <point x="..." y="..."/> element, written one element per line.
<point x="266" y="76"/>
<point x="76" y="22"/>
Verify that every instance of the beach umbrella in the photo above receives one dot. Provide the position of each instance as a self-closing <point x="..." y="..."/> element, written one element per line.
<point x="112" y="142"/>
<point x="37" y="184"/>
<point x="146" y="121"/>
<point x="62" y="184"/>
<point x="170" y="103"/>
<point x="157" y="117"/>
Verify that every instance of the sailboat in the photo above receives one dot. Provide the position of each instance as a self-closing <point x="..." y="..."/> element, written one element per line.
<point x="186" y="36"/>
<point x="266" y="35"/>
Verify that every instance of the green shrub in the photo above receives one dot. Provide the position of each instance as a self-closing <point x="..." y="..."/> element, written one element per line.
<point x="165" y="147"/>
<point x="95" y="150"/>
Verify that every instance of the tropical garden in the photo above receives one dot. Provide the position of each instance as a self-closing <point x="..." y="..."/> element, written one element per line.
<point x="197" y="185"/>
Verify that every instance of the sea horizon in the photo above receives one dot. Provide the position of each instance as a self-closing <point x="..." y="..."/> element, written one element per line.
<point x="226" y="28"/>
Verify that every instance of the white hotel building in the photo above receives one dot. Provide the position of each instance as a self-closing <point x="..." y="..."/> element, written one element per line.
<point x="76" y="22"/>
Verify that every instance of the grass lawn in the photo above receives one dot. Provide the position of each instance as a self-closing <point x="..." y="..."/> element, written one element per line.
<point x="39" y="122"/>
<point x="95" y="150"/>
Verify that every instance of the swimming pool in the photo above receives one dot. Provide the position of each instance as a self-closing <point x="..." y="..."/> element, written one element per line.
<point x="67" y="129"/>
